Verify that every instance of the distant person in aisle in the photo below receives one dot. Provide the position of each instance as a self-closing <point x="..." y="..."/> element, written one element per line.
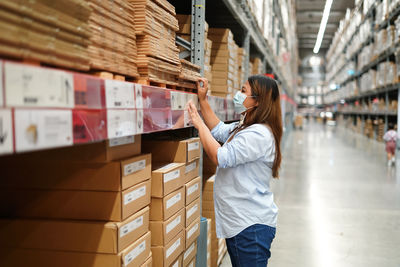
<point x="390" y="138"/>
<point x="245" y="212"/>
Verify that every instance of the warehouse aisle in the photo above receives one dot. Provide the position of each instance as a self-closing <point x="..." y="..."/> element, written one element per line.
<point x="339" y="202"/>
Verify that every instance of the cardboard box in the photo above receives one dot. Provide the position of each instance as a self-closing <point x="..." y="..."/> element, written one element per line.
<point x="208" y="205"/>
<point x="222" y="89"/>
<point x="208" y="196"/>
<point x="192" y="232"/>
<point x="192" y="170"/>
<point x="83" y="236"/>
<point x="161" y="209"/>
<point x="148" y="262"/>
<point x="192" y="212"/>
<point x="79" y="205"/>
<point x="220" y="34"/>
<point x="135" y="255"/>
<point x="178" y="262"/>
<point x="173" y="150"/>
<point x="164" y="256"/>
<point x="190" y="254"/>
<point x="192" y="263"/>
<point x="166" y="179"/>
<point x="192" y="190"/>
<point x="105" y="151"/>
<point x="164" y="231"/>
<point x="47" y="174"/>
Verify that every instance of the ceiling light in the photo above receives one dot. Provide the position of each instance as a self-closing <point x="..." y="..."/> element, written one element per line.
<point x="322" y="26"/>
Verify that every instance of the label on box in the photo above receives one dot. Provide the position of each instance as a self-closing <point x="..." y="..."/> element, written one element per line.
<point x="139" y="96"/>
<point x="30" y="86"/>
<point x="193" y="146"/>
<point x="176" y="264"/>
<point x="191" y="211"/>
<point x="126" y="229"/>
<point x="171" y="176"/>
<point x="38" y="129"/>
<point x="135" y="252"/>
<point x="174" y="200"/>
<point x="6" y="132"/>
<point x="134" y="167"/>
<point x="188" y="251"/>
<point x="193" y="230"/>
<point x="139" y="121"/>
<point x="132" y="196"/>
<point x="191" y="264"/>
<point x="173" y="224"/>
<point x="192" y="189"/>
<point x="121" y="123"/>
<point x="190" y="167"/>
<point x="174" y="246"/>
<point x="169" y="166"/>
<point x="121" y="141"/>
<point x="119" y="94"/>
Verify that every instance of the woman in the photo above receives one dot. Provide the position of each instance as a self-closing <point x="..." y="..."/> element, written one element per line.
<point x="245" y="212"/>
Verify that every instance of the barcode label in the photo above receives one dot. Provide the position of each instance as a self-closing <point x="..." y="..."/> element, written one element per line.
<point x="173" y="224"/>
<point x="174" y="200"/>
<point x="193" y="146"/>
<point x="171" y="176"/>
<point x="190" y="167"/>
<point x="132" y="196"/>
<point x="134" y="167"/>
<point x="126" y="229"/>
<point x="188" y="251"/>
<point x="192" y="230"/>
<point x="174" y="246"/>
<point x="192" y="189"/>
<point x="121" y="141"/>
<point x="191" y="211"/>
<point x="135" y="252"/>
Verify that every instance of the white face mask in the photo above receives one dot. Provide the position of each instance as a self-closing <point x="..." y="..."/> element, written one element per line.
<point x="238" y="102"/>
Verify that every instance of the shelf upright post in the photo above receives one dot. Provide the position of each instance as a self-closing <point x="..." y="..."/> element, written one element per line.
<point x="197" y="34"/>
<point x="246" y="47"/>
<point x="386" y="110"/>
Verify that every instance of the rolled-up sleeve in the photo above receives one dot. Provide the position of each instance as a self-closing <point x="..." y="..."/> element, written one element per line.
<point x="222" y="131"/>
<point x="247" y="146"/>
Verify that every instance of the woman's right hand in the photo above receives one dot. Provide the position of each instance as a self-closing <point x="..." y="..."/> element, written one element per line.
<point x="202" y="88"/>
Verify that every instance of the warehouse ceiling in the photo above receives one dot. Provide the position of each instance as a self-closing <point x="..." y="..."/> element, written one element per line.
<point x="309" y="15"/>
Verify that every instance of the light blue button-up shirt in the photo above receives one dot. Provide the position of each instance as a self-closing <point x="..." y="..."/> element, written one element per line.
<point x="242" y="194"/>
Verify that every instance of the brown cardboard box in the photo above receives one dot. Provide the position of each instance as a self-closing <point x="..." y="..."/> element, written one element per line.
<point x="192" y="263"/>
<point x="105" y="151"/>
<point x="222" y="88"/>
<point x="191" y="170"/>
<point x="190" y="253"/>
<point x="208" y="205"/>
<point x="208" y="196"/>
<point x="164" y="231"/>
<point x="192" y="190"/>
<point x="164" y="256"/>
<point x="173" y="150"/>
<point x="220" y="34"/>
<point x="166" y="179"/>
<point x="83" y="236"/>
<point x="192" y="212"/>
<point x="192" y="232"/>
<point x="148" y="262"/>
<point x="79" y="205"/>
<point x="135" y="255"/>
<point x="178" y="262"/>
<point x="161" y="209"/>
<point x="67" y="175"/>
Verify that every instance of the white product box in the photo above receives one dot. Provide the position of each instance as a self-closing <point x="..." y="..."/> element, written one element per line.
<point x="119" y="94"/>
<point x="121" y="123"/>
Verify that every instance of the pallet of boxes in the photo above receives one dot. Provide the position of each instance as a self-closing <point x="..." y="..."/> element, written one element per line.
<point x="175" y="202"/>
<point x="78" y="206"/>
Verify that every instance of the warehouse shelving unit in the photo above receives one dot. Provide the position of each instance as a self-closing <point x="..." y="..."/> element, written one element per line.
<point x="363" y="105"/>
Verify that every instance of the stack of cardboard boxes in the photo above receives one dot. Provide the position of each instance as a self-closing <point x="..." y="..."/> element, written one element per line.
<point x="113" y="41"/>
<point x="223" y="61"/>
<point x="78" y="206"/>
<point x="256" y="66"/>
<point x="175" y="205"/>
<point x="207" y="62"/>
<point x="241" y="59"/>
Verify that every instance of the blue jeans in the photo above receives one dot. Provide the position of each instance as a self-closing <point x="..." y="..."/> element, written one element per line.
<point x="251" y="247"/>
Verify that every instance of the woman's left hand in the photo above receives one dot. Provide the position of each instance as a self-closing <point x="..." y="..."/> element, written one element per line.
<point x="194" y="115"/>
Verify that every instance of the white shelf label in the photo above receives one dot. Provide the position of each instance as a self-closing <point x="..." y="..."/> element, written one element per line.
<point x="139" y="121"/>
<point x="188" y="251"/>
<point x="28" y="86"/>
<point x="190" y="167"/>
<point x="134" y="253"/>
<point x="119" y="94"/>
<point x="173" y="224"/>
<point x="6" y="132"/>
<point x="192" y="189"/>
<point x="121" y="123"/>
<point x="191" y="211"/>
<point x="126" y="229"/>
<point x="174" y="200"/>
<point x="173" y="247"/>
<point x="132" y="196"/>
<point x="134" y="167"/>
<point x="121" y="141"/>
<point x="193" y="146"/>
<point x="38" y="129"/>
<point x="139" y="96"/>
<point x="193" y="230"/>
<point x="171" y="176"/>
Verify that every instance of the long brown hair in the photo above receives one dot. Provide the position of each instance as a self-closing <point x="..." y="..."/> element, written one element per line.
<point x="268" y="112"/>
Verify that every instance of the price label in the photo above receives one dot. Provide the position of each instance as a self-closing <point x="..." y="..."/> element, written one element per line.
<point x="121" y="123"/>
<point x="119" y="94"/>
<point x="6" y="133"/>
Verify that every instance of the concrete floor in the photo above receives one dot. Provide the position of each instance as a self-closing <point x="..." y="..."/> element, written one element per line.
<point x="339" y="202"/>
